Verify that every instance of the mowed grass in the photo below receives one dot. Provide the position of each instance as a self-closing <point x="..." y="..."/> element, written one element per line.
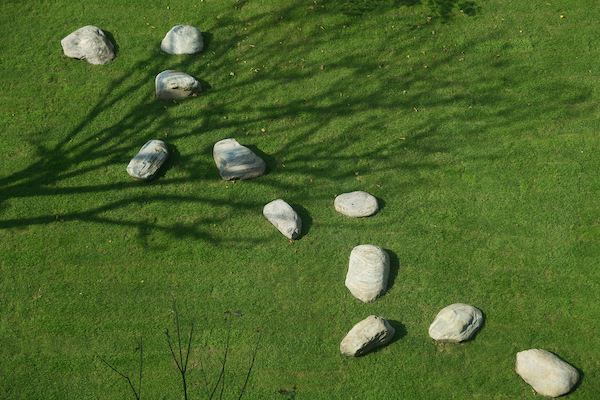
<point x="475" y="124"/>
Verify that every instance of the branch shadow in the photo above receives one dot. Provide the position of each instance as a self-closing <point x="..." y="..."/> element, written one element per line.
<point x="254" y="99"/>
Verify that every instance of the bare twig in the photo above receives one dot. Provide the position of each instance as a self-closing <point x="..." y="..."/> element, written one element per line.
<point x="222" y="374"/>
<point x="138" y="393"/>
<point x="251" y="365"/>
<point x="181" y="365"/>
<point x="182" y="362"/>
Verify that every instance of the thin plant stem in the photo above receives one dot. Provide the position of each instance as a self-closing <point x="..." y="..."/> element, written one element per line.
<point x="138" y="393"/>
<point x="181" y="365"/>
<point x="222" y="374"/>
<point x="251" y="365"/>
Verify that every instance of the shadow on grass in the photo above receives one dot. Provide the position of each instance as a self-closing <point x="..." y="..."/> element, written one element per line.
<point x="302" y="105"/>
<point x="305" y="217"/>
<point x="110" y="37"/>
<point x="400" y="331"/>
<point x="394" y="268"/>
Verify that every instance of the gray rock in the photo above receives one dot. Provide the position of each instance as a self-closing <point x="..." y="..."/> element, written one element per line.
<point x="456" y="323"/>
<point x="172" y="84"/>
<point x="237" y="162"/>
<point x="90" y="44"/>
<point x="148" y="160"/>
<point x="546" y="373"/>
<point x="369" y="333"/>
<point x="368" y="272"/>
<point x="183" y="39"/>
<point x="284" y="218"/>
<point x="356" y="204"/>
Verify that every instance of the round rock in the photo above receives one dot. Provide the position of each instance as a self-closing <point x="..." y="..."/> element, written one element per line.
<point x="546" y="373"/>
<point x="369" y="333"/>
<point x="148" y="160"/>
<point x="183" y="39"/>
<point x="237" y="162"/>
<point x="456" y="323"/>
<point x="90" y="44"/>
<point x="284" y="218"/>
<point x="368" y="272"/>
<point x="172" y="84"/>
<point x="356" y="204"/>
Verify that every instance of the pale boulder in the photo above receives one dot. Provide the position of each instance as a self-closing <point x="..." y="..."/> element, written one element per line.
<point x="368" y="272"/>
<point x="369" y="333"/>
<point x="456" y="323"/>
<point x="237" y="162"/>
<point x="148" y="160"/>
<point x="183" y="39"/>
<point x="88" y="43"/>
<point x="171" y="84"/>
<point x="546" y="373"/>
<point x="284" y="218"/>
<point x="356" y="204"/>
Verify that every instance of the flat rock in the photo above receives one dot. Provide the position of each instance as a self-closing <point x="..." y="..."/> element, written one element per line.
<point x="172" y="84"/>
<point x="546" y="373"/>
<point x="369" y="333"/>
<point x="456" y="323"/>
<point x="148" y="160"/>
<point x="284" y="218"/>
<point x="368" y="272"/>
<point x="237" y="162"/>
<point x="88" y="43"/>
<point x="183" y="39"/>
<point x="356" y="204"/>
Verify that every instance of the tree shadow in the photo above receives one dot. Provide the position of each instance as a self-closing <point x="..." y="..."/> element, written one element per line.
<point x="255" y="100"/>
<point x="446" y="9"/>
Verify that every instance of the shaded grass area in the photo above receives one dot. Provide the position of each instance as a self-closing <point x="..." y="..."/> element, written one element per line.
<point x="476" y="130"/>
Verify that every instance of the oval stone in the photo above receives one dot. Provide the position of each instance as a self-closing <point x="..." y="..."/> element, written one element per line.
<point x="236" y="161"/>
<point x="183" y="39"/>
<point x="546" y="373"/>
<point x="456" y="323"/>
<point x="172" y="84"/>
<point x="148" y="160"/>
<point x="369" y="333"/>
<point x="88" y="43"/>
<point x="284" y="218"/>
<point x="356" y="204"/>
<point x="368" y="272"/>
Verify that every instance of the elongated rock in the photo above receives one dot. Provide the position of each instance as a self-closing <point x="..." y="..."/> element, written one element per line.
<point x="546" y="373"/>
<point x="369" y="333"/>
<point x="368" y="272"/>
<point x="172" y="84"/>
<point x="237" y="162"/>
<point x="88" y="43"/>
<point x="183" y="39"/>
<point x="356" y="204"/>
<point x="284" y="218"/>
<point x="148" y="160"/>
<point x="455" y="323"/>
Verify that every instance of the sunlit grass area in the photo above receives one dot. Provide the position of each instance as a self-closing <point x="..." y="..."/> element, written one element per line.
<point x="474" y="124"/>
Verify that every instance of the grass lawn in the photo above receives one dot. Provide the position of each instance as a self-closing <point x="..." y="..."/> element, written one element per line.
<point x="474" y="123"/>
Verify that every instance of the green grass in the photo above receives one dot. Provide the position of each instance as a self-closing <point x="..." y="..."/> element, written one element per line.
<point x="476" y="130"/>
